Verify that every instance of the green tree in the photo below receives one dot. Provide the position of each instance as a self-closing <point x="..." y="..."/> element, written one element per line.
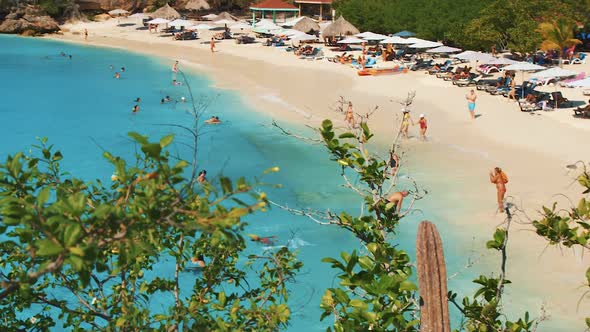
<point x="558" y="35"/>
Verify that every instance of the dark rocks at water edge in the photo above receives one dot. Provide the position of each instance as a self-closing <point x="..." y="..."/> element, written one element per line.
<point x="28" y="20"/>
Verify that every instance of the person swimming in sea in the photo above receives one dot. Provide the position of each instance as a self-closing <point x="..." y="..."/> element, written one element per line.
<point x="137" y="100"/>
<point x="213" y="120"/>
<point x="199" y="260"/>
<point x="122" y="69"/>
<point x="268" y="240"/>
<point x="135" y="109"/>
<point x="117" y="75"/>
<point x="175" y="82"/>
<point x="202" y="176"/>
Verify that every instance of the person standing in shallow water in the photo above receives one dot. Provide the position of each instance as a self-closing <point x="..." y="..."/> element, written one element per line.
<point x="423" y="126"/>
<point x="499" y="178"/>
<point x="471" y="98"/>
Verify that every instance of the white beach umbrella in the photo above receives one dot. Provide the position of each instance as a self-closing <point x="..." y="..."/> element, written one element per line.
<point x="580" y="83"/>
<point x="499" y="61"/>
<point x="415" y="40"/>
<point x="138" y="15"/>
<point x="240" y="26"/>
<point x="210" y="17"/>
<point x="474" y="56"/>
<point x="444" y="49"/>
<point x="396" y="40"/>
<point x="180" y="23"/>
<point x="371" y="36"/>
<point x="158" y="21"/>
<point x="351" y="40"/>
<point x="201" y="26"/>
<point x="426" y="44"/>
<point x="523" y="66"/>
<point x="292" y="22"/>
<point x="554" y="72"/>
<point x="118" y="12"/>
<point x="292" y="32"/>
<point x="304" y="37"/>
<point x="224" y="21"/>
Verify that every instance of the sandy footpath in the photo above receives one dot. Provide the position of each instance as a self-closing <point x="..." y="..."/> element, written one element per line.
<point x="533" y="149"/>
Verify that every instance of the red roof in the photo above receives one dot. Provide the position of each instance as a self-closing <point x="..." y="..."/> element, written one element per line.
<point x="323" y="2"/>
<point x="273" y="4"/>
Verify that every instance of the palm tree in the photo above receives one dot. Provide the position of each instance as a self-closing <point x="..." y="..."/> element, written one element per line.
<point x="558" y="35"/>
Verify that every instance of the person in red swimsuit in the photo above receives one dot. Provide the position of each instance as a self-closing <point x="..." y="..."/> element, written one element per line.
<point x="423" y="126"/>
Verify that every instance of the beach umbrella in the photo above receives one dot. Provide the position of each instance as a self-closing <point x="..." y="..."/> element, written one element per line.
<point x="340" y="27"/>
<point x="373" y="36"/>
<point x="180" y="23"/>
<point x="404" y="33"/>
<point x="554" y="72"/>
<point x="158" y="21"/>
<point x="523" y="66"/>
<point x="307" y="25"/>
<point x="292" y="33"/>
<point x="224" y="21"/>
<point x="197" y="5"/>
<point x="396" y="40"/>
<point x="201" y="26"/>
<point x="166" y="12"/>
<point x="499" y="61"/>
<point x="304" y="37"/>
<point x="240" y="26"/>
<point x="293" y="21"/>
<point x="474" y="56"/>
<point x="210" y="17"/>
<point x="351" y="40"/>
<point x="118" y="12"/>
<point x="226" y="16"/>
<point x="138" y="15"/>
<point x="444" y="49"/>
<point x="580" y="83"/>
<point x="425" y="44"/>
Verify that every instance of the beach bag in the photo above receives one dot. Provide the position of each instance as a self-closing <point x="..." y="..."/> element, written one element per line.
<point x="504" y="177"/>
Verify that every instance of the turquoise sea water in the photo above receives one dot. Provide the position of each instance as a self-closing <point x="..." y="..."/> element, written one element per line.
<point x="82" y="109"/>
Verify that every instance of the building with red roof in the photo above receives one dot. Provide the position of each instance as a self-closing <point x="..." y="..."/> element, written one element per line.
<point x="272" y="6"/>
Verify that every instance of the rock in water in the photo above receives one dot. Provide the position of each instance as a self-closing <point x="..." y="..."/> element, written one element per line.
<point x="31" y="19"/>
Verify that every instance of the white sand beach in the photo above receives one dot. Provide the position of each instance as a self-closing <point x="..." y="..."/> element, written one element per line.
<point x="532" y="148"/>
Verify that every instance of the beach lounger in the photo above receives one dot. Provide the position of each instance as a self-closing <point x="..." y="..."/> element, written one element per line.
<point x="582" y="112"/>
<point x="529" y="107"/>
<point x="578" y="77"/>
<point x="471" y="80"/>
<point x="559" y="100"/>
<point x="580" y="60"/>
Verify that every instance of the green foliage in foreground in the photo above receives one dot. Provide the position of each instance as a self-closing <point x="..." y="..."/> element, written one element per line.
<point x="84" y="254"/>
<point x="375" y="291"/>
<point x="569" y="227"/>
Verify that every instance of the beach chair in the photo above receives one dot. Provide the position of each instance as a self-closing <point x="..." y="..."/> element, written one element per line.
<point x="580" y="60"/>
<point x="471" y="80"/>
<point x="559" y="100"/>
<point x="529" y="107"/>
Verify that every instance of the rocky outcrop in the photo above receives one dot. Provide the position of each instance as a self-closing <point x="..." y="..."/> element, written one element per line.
<point x="29" y="20"/>
<point x="106" y="5"/>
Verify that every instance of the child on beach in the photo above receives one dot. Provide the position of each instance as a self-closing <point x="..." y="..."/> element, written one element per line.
<point x="423" y="127"/>
<point x="471" y="98"/>
<point x="499" y="178"/>
<point x="212" y="44"/>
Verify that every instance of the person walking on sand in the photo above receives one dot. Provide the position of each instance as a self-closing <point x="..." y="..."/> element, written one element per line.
<point x="471" y="98"/>
<point x="406" y="120"/>
<point x="86" y="34"/>
<point x="398" y="198"/>
<point x="423" y="126"/>
<point x="349" y="118"/>
<point x="499" y="178"/>
<point x="212" y="45"/>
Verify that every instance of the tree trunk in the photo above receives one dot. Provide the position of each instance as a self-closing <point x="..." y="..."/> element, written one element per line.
<point x="432" y="280"/>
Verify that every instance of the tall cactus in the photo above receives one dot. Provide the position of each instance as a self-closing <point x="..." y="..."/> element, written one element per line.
<point x="432" y="280"/>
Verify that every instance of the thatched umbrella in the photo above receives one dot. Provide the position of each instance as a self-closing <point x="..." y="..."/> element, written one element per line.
<point x="226" y="16"/>
<point x="340" y="27"/>
<point x="307" y="25"/>
<point x="166" y="12"/>
<point x="197" y="5"/>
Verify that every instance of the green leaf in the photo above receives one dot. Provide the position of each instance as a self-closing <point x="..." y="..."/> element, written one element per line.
<point x="360" y="304"/>
<point x="120" y="322"/>
<point x="43" y="196"/>
<point x="226" y="185"/>
<point x="407" y="286"/>
<point x="72" y="234"/>
<point x="48" y="248"/>
<point x="152" y="150"/>
<point x="138" y="138"/>
<point x="166" y="140"/>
